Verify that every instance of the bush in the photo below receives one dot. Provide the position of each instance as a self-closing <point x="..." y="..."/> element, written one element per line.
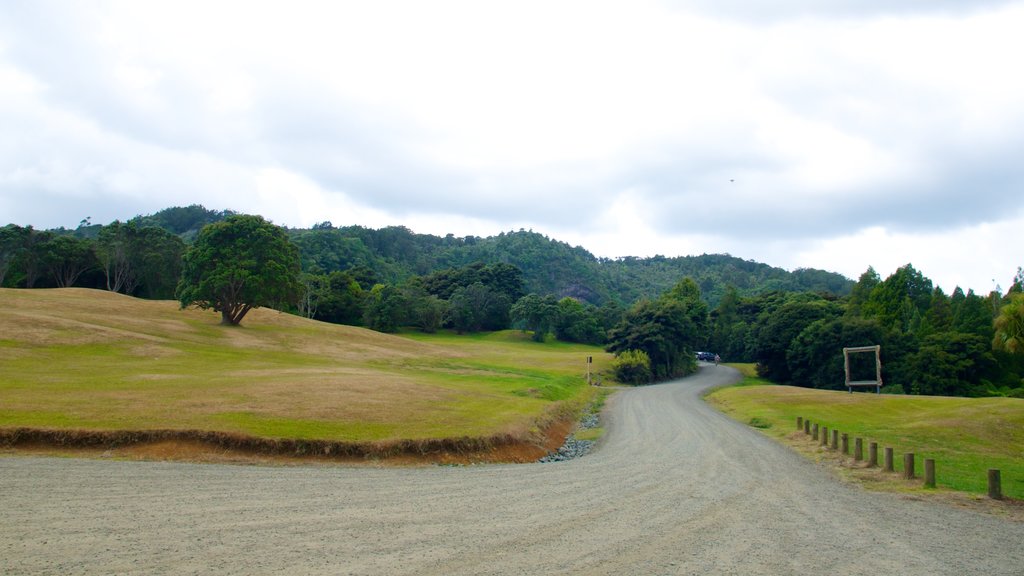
<point x="1018" y="393"/>
<point x="632" y="367"/>
<point x="892" y="389"/>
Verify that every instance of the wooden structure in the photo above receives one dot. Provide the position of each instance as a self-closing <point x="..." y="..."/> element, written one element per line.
<point x="877" y="382"/>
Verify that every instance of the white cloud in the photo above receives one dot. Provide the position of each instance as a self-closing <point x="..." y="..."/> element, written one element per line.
<point x="785" y="132"/>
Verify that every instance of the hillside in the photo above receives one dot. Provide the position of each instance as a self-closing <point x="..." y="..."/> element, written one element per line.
<point x="394" y="254"/>
<point x="88" y="360"/>
<point x="550" y="266"/>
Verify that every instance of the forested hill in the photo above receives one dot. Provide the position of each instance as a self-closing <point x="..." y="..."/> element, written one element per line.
<point x="549" y="266"/>
<point x="395" y="253"/>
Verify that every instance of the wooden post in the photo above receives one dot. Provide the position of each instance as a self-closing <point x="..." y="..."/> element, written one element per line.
<point x="835" y="439"/>
<point x="995" y="485"/>
<point x="799" y="422"/>
<point x="846" y="443"/>
<point x="807" y="427"/>
<point x="873" y="454"/>
<point x="858" y="449"/>
<point x="889" y="467"/>
<point x="824" y="435"/>
<point x="908" y="465"/>
<point x="929" y="473"/>
<point x="814" y="431"/>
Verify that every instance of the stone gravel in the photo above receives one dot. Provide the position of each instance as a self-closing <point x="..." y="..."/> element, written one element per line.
<point x="673" y="488"/>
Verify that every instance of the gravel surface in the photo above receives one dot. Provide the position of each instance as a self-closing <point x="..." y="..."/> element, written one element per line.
<point x="673" y="488"/>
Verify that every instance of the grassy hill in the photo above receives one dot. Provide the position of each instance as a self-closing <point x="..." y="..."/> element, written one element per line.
<point x="77" y="360"/>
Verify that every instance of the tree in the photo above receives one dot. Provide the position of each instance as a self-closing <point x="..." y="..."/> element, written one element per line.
<point x="900" y="300"/>
<point x="973" y="315"/>
<point x="578" y="322"/>
<point x="939" y="317"/>
<point x="386" y="308"/>
<point x="1018" y="282"/>
<point x="12" y="244"/>
<point x="536" y="313"/>
<point x="662" y="330"/>
<point x="952" y="364"/>
<point x="862" y="291"/>
<point x="156" y="257"/>
<point x="424" y="310"/>
<point x="815" y="357"/>
<point x="33" y="256"/>
<point x="344" y="301"/>
<point x="67" y="258"/>
<point x="113" y="249"/>
<point x="241" y="263"/>
<point x="140" y="258"/>
<point x="315" y="287"/>
<point x="1009" y="326"/>
<point x="779" y="330"/>
<point x="477" y="307"/>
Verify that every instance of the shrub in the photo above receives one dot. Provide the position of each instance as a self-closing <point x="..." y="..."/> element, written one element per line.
<point x="892" y="389"/>
<point x="632" y="367"/>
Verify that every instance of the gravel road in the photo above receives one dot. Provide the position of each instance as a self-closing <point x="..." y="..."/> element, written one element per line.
<point x="675" y="488"/>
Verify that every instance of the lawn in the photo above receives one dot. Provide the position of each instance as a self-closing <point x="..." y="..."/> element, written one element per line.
<point x="965" y="436"/>
<point x="80" y="359"/>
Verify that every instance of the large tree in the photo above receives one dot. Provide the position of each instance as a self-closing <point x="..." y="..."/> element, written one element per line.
<point x="241" y="263"/>
<point x="664" y="331"/>
<point x="67" y="258"/>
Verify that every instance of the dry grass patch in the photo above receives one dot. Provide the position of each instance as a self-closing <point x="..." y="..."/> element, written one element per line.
<point x="86" y="360"/>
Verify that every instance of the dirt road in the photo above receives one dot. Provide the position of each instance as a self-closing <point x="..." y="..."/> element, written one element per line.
<point x="676" y="488"/>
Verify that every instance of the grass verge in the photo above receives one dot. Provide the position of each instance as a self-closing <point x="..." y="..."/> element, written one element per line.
<point x="965" y="436"/>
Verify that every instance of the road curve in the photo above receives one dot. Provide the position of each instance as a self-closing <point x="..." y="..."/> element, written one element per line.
<point x="675" y="488"/>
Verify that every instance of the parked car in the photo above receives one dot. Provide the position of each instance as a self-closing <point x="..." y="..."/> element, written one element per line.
<point x="706" y="356"/>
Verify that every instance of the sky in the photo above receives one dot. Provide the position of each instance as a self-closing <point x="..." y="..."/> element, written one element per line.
<point x="803" y="134"/>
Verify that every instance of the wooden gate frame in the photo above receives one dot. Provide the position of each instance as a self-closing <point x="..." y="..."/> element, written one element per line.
<point x="877" y="382"/>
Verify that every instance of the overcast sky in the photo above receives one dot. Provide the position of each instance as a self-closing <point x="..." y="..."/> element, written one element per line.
<point x="798" y="133"/>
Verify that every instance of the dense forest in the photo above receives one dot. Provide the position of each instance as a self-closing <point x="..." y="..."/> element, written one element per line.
<point x="654" y="313"/>
<point x="391" y="255"/>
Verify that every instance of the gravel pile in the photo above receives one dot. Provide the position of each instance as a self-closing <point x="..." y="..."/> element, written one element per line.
<point x="573" y="448"/>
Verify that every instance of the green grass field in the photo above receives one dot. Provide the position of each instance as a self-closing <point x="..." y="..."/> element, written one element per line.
<point x="965" y="436"/>
<point x="90" y="360"/>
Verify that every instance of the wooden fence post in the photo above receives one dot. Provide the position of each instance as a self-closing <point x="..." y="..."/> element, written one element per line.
<point x="846" y="443"/>
<point x="929" y="473"/>
<point x="995" y="484"/>
<point x="814" y="431"/>
<point x="807" y="427"/>
<point x="824" y="435"/>
<point x="799" y="422"/>
<point x="908" y="465"/>
<point x="889" y="467"/>
<point x="835" y="439"/>
<point x="873" y="454"/>
<point x="858" y="449"/>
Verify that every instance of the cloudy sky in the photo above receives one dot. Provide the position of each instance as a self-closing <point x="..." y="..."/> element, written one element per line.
<point x="832" y="135"/>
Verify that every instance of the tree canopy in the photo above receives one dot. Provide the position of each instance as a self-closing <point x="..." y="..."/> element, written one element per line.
<point x="241" y="263"/>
